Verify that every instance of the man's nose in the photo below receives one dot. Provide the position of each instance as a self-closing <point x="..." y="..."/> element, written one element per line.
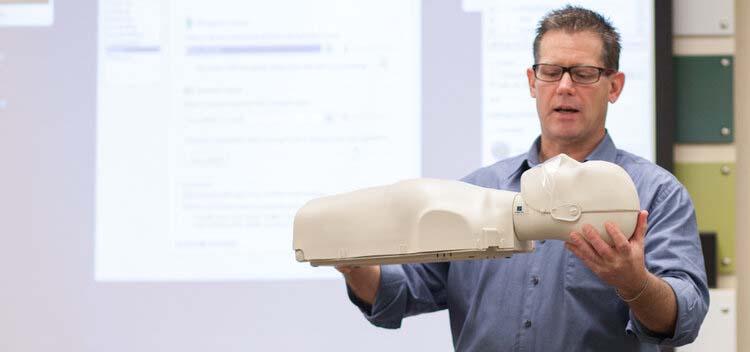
<point x="565" y="85"/>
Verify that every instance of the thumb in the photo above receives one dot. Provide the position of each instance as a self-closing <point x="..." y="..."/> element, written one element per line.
<point x="640" y="228"/>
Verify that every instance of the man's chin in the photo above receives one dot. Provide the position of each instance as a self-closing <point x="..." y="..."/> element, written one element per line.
<point x="566" y="133"/>
<point x="570" y="135"/>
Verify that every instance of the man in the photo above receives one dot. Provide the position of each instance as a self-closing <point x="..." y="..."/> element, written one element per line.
<point x="580" y="295"/>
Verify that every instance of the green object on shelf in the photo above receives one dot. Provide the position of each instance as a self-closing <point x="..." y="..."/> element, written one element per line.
<point x="712" y="188"/>
<point x="703" y="99"/>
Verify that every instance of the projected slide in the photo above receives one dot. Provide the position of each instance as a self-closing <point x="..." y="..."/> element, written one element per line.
<point x="218" y="120"/>
<point x="26" y="13"/>
<point x="508" y="114"/>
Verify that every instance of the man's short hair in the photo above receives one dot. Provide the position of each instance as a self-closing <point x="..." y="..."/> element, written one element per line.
<point x="574" y="19"/>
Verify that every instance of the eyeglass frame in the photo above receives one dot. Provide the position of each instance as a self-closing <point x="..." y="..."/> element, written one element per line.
<point x="568" y="69"/>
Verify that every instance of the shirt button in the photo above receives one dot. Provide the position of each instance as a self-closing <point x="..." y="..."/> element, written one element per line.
<point x="527" y="324"/>
<point x="535" y="280"/>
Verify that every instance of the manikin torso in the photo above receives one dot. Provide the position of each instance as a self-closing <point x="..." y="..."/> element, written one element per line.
<point x="424" y="220"/>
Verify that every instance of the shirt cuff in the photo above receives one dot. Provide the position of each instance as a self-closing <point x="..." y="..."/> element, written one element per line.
<point x="390" y="303"/>
<point x="689" y="305"/>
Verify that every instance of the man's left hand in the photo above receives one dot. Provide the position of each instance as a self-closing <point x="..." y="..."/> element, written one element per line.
<point x="621" y="264"/>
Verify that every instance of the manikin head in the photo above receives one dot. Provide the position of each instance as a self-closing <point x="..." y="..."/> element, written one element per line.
<point x="562" y="193"/>
<point x="572" y="107"/>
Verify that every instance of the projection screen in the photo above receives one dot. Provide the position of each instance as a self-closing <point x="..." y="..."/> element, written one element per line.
<point x="162" y="148"/>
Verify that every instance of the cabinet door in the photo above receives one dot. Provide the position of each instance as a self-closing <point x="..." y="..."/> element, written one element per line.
<point x="712" y="188"/>
<point x="701" y="17"/>
<point x="719" y="330"/>
<point x="703" y="94"/>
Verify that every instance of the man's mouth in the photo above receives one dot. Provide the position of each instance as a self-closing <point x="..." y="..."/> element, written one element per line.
<point x="566" y="110"/>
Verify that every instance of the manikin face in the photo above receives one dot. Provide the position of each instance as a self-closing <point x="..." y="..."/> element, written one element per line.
<point x="569" y="112"/>
<point x="562" y="194"/>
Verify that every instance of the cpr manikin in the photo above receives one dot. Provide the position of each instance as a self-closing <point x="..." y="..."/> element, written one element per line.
<point x="426" y="220"/>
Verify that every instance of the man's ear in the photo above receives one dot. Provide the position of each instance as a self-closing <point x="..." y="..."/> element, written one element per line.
<point x="532" y="82"/>
<point x="616" y="81"/>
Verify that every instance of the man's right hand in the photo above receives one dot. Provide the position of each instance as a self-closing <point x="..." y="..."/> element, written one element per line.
<point x="363" y="280"/>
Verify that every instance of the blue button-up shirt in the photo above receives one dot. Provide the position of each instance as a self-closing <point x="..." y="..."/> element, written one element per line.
<point x="549" y="300"/>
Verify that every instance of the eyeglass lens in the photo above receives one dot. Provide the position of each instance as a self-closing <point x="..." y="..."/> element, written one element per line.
<point x="579" y="74"/>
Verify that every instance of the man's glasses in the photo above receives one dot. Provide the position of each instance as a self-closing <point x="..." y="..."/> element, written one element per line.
<point x="579" y="74"/>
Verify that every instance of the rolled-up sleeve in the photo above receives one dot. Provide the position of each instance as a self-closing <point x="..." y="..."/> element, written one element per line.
<point x="405" y="290"/>
<point x="673" y="252"/>
<point x="691" y="310"/>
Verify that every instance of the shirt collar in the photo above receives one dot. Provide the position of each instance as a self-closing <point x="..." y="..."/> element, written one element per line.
<point x="605" y="150"/>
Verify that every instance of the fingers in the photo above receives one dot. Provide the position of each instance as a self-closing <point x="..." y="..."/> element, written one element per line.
<point x="612" y="263"/>
<point x="582" y="249"/>
<point x="619" y="241"/>
<point x="596" y="241"/>
<point x="344" y="269"/>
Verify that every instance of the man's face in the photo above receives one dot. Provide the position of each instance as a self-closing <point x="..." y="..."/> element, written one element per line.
<point x="569" y="112"/>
